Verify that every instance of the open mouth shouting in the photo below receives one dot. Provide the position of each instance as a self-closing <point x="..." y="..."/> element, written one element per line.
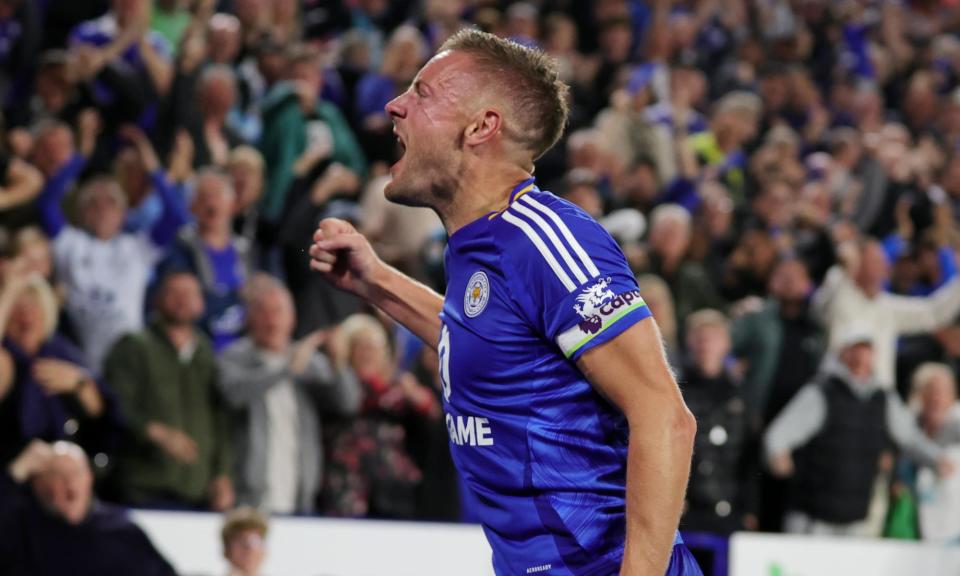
<point x="401" y="151"/>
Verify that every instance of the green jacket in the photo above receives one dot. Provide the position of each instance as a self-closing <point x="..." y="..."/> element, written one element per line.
<point x="758" y="339"/>
<point x="154" y="385"/>
<point x="284" y="139"/>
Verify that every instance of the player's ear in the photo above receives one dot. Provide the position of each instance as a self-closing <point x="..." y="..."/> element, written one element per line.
<point x="485" y="125"/>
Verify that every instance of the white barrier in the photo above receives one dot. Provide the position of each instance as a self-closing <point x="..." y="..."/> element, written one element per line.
<point x="325" y="547"/>
<point x="782" y="555"/>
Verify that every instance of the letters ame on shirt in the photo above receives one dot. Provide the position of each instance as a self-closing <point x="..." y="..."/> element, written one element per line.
<point x="529" y="290"/>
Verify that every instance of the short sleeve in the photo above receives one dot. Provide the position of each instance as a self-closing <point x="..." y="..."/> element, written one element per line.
<point x="568" y="276"/>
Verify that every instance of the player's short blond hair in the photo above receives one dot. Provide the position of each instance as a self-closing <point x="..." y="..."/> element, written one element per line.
<point x="529" y="80"/>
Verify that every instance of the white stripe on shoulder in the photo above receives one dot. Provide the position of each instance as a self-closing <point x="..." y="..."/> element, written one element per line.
<point x="542" y="248"/>
<point x="561" y="249"/>
<point x="584" y="257"/>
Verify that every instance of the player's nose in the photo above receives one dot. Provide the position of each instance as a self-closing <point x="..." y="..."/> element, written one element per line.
<point x="395" y="107"/>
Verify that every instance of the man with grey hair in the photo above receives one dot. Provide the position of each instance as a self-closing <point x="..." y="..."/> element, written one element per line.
<point x="934" y="395"/>
<point x="281" y="388"/>
<point x="53" y="524"/>
<point x="669" y="242"/>
<point x="106" y="270"/>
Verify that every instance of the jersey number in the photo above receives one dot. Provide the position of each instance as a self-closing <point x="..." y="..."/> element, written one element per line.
<point x="443" y="351"/>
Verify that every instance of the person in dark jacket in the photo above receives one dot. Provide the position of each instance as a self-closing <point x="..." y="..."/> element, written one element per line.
<point x="782" y="346"/>
<point x="830" y="439"/>
<point x="46" y="390"/>
<point x="178" y="450"/>
<point x="53" y="524"/>
<point x="721" y="496"/>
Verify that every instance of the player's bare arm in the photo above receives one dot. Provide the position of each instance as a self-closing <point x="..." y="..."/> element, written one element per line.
<point x="632" y="372"/>
<point x="347" y="260"/>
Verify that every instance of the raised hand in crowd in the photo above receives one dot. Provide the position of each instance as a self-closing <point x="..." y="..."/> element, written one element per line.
<point x="89" y="126"/>
<point x="180" y="160"/>
<point x="31" y="461"/>
<point x="135" y="136"/>
<point x="21" y="184"/>
<point x="305" y="348"/>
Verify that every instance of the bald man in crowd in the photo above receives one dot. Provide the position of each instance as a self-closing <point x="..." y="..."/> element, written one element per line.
<point x="53" y="524"/>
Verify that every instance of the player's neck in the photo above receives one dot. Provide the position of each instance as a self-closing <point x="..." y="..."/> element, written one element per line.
<point x="482" y="190"/>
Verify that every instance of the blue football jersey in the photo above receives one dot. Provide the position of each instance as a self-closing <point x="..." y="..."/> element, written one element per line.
<point x="529" y="290"/>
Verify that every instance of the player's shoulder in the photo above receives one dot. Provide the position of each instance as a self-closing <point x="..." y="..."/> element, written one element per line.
<point x="542" y="234"/>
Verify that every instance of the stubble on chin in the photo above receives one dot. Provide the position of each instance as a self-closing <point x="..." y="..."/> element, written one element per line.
<point x="431" y="184"/>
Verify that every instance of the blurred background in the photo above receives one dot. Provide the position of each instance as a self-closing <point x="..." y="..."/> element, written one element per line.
<point x="783" y="175"/>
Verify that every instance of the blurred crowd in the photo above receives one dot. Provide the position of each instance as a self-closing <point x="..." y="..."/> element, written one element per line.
<point x="783" y="175"/>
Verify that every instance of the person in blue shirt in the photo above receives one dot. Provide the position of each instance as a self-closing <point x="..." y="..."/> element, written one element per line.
<point x="564" y="418"/>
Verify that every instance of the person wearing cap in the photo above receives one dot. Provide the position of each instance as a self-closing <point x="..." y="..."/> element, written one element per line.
<point x="830" y="438"/>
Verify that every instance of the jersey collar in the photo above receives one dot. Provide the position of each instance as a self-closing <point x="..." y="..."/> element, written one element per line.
<point x="522" y="188"/>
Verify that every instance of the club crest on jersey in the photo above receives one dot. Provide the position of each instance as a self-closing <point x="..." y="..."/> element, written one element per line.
<point x="588" y="304"/>
<point x="477" y="295"/>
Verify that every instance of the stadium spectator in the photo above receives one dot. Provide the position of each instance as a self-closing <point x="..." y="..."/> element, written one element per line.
<point x="722" y="494"/>
<point x="280" y="389"/>
<point x="853" y="291"/>
<point x="220" y="259"/>
<point x="216" y="95"/>
<point x="719" y="150"/>
<point x="321" y="188"/>
<point x="246" y="171"/>
<point x="244" y="535"/>
<point x="669" y="241"/>
<point x="779" y="342"/>
<point x="178" y="445"/>
<point x="106" y="270"/>
<point x="53" y="523"/>
<point x="934" y="395"/>
<point x="370" y="472"/>
<point x="144" y="181"/>
<point x="123" y="33"/>
<point x="47" y="391"/>
<point x="781" y="346"/>
<point x="296" y="120"/>
<point x="831" y="437"/>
